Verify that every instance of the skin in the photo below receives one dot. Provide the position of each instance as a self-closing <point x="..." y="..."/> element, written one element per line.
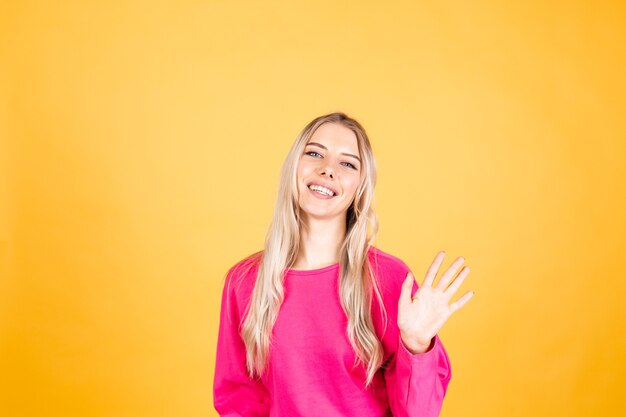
<point x="419" y="317"/>
<point x="325" y="220"/>
<point x="423" y="315"/>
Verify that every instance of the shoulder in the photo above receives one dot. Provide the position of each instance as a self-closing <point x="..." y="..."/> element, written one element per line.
<point x="241" y="276"/>
<point x="238" y="285"/>
<point x="385" y="263"/>
<point x="389" y="271"/>
<point x="246" y="265"/>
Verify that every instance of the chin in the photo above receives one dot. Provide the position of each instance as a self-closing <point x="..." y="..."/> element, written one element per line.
<point x="322" y="214"/>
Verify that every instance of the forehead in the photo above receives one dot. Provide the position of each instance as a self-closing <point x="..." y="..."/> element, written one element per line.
<point x="336" y="136"/>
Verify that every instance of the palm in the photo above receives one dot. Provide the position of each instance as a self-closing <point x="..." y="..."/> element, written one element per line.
<point x="421" y="317"/>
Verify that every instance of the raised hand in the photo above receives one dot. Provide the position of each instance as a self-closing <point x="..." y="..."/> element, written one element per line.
<point x="420" y="318"/>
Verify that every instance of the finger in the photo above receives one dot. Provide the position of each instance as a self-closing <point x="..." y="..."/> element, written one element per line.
<point x="450" y="272"/>
<point x="457" y="282"/>
<point x="433" y="269"/>
<point x="405" y="291"/>
<point x="461" y="301"/>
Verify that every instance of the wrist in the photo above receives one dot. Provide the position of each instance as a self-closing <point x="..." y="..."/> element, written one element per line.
<point x="416" y="347"/>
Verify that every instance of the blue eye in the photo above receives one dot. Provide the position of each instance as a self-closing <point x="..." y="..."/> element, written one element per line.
<point x="317" y="153"/>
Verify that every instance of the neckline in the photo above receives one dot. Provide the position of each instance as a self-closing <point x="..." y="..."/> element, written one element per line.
<point x="312" y="271"/>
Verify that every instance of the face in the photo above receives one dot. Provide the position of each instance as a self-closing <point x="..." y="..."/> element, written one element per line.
<point x="330" y="159"/>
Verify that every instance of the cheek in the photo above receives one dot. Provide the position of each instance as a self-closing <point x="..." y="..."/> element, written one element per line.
<point x="305" y="168"/>
<point x="300" y="168"/>
<point x="301" y="173"/>
<point x="354" y="185"/>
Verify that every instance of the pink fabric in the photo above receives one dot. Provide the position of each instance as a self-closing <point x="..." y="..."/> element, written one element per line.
<point x="310" y="370"/>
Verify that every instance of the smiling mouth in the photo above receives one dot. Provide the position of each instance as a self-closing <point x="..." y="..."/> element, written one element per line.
<point x="319" y="189"/>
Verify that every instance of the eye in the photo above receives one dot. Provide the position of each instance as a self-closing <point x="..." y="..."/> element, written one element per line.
<point x="318" y="154"/>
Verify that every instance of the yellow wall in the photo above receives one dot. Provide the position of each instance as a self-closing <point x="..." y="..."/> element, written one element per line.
<point x="139" y="156"/>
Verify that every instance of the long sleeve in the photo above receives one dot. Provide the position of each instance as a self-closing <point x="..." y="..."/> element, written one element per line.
<point x="235" y="394"/>
<point x="417" y="383"/>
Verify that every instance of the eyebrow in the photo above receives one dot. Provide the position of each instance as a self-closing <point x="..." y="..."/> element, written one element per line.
<point x="324" y="147"/>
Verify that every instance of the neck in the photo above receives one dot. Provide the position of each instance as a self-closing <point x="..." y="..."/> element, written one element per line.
<point x="320" y="242"/>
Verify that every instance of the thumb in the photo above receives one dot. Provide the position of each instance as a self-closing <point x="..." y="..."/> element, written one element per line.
<point x="407" y="286"/>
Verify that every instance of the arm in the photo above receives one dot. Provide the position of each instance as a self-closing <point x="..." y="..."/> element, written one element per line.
<point x="235" y="394"/>
<point x="417" y="383"/>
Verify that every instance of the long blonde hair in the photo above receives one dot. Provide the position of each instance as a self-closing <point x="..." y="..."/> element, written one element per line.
<point x="282" y="244"/>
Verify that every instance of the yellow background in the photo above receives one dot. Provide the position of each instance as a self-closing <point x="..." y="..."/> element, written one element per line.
<point x="140" y="151"/>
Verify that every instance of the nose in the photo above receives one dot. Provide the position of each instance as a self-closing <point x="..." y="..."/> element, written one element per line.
<point x="328" y="172"/>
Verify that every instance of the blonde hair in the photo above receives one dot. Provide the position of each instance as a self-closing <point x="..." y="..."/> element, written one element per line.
<point x="282" y="244"/>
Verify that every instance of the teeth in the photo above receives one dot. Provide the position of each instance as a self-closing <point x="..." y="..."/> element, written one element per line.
<point x="321" y="189"/>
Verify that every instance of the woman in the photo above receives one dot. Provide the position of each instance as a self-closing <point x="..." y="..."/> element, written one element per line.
<point x="322" y="323"/>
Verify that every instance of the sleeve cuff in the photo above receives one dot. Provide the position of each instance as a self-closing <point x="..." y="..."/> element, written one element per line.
<point x="406" y="355"/>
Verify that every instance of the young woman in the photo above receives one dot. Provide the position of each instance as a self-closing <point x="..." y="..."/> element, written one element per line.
<point x="321" y="322"/>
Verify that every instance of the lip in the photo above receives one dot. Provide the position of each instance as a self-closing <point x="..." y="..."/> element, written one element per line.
<point x="323" y="185"/>
<point x="320" y="195"/>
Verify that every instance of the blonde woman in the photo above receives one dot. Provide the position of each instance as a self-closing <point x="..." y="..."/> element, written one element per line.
<point x="321" y="322"/>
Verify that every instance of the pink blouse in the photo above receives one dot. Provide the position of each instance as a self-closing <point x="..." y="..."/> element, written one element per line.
<point x="310" y="370"/>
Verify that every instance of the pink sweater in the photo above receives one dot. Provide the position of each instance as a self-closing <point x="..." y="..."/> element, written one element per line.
<point x="310" y="364"/>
